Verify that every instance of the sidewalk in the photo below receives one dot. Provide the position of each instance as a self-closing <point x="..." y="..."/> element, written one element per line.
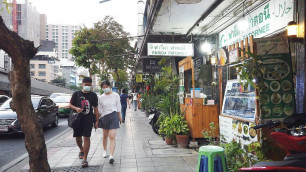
<point x="138" y="148"/>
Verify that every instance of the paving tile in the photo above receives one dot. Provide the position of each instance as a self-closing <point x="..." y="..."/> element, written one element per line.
<point x="145" y="164"/>
<point x="128" y="165"/>
<point x="146" y="169"/>
<point x="128" y="160"/>
<point x="128" y="169"/>
<point x="110" y="170"/>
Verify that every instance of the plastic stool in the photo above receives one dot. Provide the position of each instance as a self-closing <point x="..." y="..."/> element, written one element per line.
<point x="211" y="159"/>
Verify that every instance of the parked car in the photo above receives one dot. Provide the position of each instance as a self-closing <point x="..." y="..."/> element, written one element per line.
<point x="3" y="98"/>
<point x="53" y="95"/>
<point x="63" y="105"/>
<point x="44" y="107"/>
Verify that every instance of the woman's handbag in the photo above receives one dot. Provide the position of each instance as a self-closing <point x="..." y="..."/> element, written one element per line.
<point x="74" y="120"/>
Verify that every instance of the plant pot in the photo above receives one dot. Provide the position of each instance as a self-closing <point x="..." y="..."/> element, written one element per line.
<point x="182" y="140"/>
<point x="169" y="141"/>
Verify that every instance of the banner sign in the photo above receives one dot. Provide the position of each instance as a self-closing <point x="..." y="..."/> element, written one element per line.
<point x="277" y="98"/>
<point x="165" y="49"/>
<point x="182" y="82"/>
<point x="268" y="18"/>
<point x="150" y="65"/>
<point x="138" y="78"/>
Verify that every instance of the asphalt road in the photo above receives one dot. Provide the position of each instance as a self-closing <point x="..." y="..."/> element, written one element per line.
<point x="12" y="146"/>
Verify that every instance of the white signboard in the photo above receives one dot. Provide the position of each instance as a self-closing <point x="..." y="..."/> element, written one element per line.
<point x="232" y="129"/>
<point x="233" y="56"/>
<point x="268" y="18"/>
<point x="226" y="131"/>
<point x="164" y="49"/>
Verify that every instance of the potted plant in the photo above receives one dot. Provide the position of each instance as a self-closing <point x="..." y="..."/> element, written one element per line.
<point x="181" y="130"/>
<point x="166" y="130"/>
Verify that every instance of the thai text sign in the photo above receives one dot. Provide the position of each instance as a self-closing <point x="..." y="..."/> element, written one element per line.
<point x="268" y="18"/>
<point x="164" y="49"/>
<point x="151" y="65"/>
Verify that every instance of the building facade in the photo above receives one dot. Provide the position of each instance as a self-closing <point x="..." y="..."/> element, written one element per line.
<point x="45" y="68"/>
<point x="62" y="35"/>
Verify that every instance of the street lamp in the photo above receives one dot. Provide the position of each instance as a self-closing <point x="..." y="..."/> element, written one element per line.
<point x="206" y="47"/>
<point x="104" y="1"/>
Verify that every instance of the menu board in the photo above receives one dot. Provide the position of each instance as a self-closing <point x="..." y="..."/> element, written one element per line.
<point x="240" y="131"/>
<point x="277" y="98"/>
<point x="238" y="102"/>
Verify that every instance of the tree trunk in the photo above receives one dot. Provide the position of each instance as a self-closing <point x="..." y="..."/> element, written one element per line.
<point x="21" y="51"/>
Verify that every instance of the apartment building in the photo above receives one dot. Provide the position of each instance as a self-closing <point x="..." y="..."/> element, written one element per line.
<point x="62" y="35"/>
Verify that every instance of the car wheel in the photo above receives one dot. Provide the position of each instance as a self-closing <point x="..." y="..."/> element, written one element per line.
<point x="55" y="123"/>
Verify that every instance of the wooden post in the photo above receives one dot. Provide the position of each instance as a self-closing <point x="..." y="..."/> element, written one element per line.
<point x="220" y="88"/>
<point x="242" y="48"/>
<point x="246" y="41"/>
<point x="251" y="44"/>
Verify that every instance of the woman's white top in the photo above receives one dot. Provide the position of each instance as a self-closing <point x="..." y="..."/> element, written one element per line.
<point x="108" y="103"/>
<point x="135" y="96"/>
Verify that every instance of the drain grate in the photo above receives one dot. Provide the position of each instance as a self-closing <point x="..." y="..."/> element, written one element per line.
<point x="74" y="169"/>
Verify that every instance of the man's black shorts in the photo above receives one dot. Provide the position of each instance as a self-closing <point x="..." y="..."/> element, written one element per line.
<point x="85" y="127"/>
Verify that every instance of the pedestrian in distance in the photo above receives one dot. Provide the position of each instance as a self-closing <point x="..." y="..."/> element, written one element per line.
<point x="109" y="107"/>
<point x="124" y="99"/>
<point x="86" y="103"/>
<point x="135" y="98"/>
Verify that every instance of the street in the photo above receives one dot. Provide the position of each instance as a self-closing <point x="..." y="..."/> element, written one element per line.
<point x="12" y="146"/>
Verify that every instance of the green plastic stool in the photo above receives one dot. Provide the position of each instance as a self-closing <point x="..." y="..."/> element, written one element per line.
<point x="211" y="159"/>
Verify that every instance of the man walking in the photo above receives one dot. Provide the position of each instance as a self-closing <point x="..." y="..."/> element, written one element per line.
<point x="85" y="102"/>
<point x="124" y="99"/>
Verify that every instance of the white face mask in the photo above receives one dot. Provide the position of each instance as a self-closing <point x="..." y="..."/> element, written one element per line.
<point x="106" y="90"/>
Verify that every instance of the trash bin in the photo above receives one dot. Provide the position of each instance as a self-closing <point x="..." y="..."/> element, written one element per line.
<point x="211" y="159"/>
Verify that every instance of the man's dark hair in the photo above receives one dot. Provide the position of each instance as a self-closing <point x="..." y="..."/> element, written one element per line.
<point x="105" y="82"/>
<point x="87" y="79"/>
<point x="124" y="91"/>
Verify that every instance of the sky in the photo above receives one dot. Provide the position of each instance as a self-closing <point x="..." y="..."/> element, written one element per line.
<point x="87" y="12"/>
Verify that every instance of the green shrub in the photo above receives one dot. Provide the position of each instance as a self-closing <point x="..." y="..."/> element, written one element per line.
<point x="237" y="157"/>
<point x="211" y="133"/>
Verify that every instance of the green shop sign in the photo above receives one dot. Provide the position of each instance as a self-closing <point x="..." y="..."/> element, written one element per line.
<point x="270" y="17"/>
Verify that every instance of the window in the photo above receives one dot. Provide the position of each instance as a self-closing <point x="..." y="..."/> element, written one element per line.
<point x="49" y="102"/>
<point x="18" y="7"/>
<point x="32" y="73"/>
<point x="41" y="73"/>
<point x="42" y="66"/>
<point x="32" y="66"/>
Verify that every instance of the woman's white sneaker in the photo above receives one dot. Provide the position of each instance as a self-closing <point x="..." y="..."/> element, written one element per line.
<point x="104" y="154"/>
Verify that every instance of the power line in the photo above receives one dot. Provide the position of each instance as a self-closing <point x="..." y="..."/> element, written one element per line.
<point x="114" y="39"/>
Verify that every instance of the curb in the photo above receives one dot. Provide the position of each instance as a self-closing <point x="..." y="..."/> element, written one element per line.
<point x="24" y="156"/>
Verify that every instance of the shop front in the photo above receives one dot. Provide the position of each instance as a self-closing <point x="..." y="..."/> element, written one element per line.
<point x="270" y="94"/>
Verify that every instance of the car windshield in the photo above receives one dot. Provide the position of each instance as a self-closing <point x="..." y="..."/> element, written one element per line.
<point x="62" y="99"/>
<point x="6" y="104"/>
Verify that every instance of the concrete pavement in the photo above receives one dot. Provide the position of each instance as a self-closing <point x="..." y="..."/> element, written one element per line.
<point x="138" y="149"/>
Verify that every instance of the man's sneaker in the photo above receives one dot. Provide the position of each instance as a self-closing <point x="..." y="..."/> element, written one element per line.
<point x="104" y="154"/>
<point x="111" y="159"/>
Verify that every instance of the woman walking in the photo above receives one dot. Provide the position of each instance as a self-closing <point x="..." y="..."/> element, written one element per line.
<point x="124" y="98"/>
<point x="109" y="107"/>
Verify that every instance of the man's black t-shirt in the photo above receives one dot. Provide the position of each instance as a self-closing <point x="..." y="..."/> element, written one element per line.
<point x="85" y="101"/>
